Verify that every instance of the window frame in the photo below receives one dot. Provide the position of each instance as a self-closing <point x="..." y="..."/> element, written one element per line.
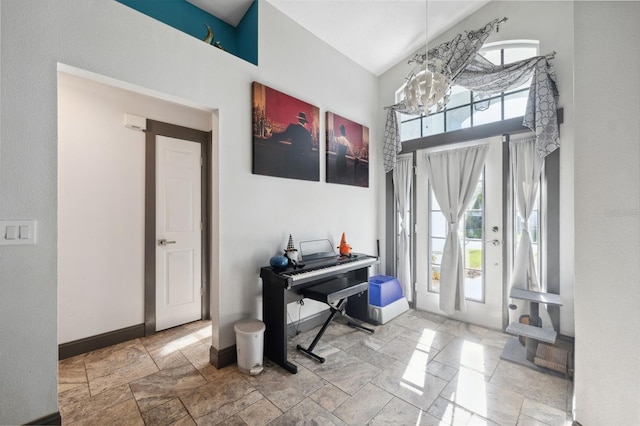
<point x="444" y="114"/>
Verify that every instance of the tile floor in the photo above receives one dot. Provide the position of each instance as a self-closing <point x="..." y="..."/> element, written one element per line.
<point x="417" y="369"/>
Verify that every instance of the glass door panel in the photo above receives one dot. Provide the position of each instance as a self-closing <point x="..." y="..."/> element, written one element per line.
<point x="482" y="258"/>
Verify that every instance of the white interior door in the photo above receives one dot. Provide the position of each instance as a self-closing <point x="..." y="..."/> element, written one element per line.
<point x="178" y="232"/>
<point x="482" y="238"/>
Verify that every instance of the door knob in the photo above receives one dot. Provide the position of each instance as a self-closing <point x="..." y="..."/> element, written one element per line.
<point x="164" y="242"/>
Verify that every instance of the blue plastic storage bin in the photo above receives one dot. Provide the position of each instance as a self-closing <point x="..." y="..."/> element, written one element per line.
<point x="383" y="290"/>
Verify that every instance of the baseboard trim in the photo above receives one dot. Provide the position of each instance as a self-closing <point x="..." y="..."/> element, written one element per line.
<point x="220" y="358"/>
<point x="51" y="419"/>
<point x="88" y="344"/>
<point x="308" y="323"/>
<point x="223" y="357"/>
<point x="567" y="338"/>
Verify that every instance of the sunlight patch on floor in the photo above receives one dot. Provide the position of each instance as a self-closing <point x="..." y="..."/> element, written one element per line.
<point x="426" y="340"/>
<point x="454" y="415"/>
<point x="414" y="380"/>
<point x="472" y="356"/>
<point x="192" y="337"/>
<point x="415" y="375"/>
<point x="471" y="391"/>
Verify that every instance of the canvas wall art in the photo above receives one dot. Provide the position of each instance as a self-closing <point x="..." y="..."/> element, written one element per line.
<point x="286" y="135"/>
<point x="347" y="151"/>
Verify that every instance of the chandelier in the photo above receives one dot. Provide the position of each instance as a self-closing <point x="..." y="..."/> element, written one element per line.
<point x="428" y="85"/>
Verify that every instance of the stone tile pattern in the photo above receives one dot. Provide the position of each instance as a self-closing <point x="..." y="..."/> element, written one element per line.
<point x="419" y="369"/>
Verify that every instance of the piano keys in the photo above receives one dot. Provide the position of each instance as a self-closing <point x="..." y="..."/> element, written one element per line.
<point x="282" y="287"/>
<point x="301" y="276"/>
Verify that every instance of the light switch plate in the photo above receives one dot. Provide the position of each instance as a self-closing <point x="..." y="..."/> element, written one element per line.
<point x="25" y="232"/>
<point x="17" y="232"/>
<point x="11" y="232"/>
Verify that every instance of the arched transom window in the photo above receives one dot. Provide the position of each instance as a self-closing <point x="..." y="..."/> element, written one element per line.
<point x="466" y="109"/>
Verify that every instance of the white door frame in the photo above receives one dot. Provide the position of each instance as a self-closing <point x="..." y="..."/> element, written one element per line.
<point x="157" y="128"/>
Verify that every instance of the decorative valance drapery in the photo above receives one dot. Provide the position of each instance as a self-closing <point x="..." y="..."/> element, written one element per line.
<point x="472" y="71"/>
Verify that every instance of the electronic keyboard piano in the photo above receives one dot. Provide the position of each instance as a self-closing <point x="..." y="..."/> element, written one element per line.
<point x="280" y="287"/>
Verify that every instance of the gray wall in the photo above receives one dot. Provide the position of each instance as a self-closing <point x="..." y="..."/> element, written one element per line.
<point x="607" y="205"/>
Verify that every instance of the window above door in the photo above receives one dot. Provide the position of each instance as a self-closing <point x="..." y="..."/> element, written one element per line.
<point x="466" y="109"/>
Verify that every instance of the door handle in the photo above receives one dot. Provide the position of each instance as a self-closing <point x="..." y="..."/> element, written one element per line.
<point x="164" y="242"/>
<point x="494" y="242"/>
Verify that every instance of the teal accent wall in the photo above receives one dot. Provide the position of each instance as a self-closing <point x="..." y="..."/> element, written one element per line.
<point x="247" y="32"/>
<point x="241" y="41"/>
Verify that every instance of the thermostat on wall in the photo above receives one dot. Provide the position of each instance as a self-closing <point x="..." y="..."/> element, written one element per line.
<point x="135" y="122"/>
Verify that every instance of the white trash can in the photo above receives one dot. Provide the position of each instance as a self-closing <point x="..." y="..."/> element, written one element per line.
<point x="249" y="345"/>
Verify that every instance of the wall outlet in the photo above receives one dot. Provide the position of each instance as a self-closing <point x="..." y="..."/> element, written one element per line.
<point x="17" y="232"/>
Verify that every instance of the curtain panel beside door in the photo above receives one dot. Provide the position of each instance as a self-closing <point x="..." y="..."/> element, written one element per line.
<point x="402" y="178"/>
<point x="454" y="175"/>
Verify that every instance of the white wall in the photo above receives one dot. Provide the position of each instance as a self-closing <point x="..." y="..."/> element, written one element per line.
<point x="551" y="23"/>
<point x="101" y="193"/>
<point x="109" y="39"/>
<point x="258" y="213"/>
<point x="253" y="214"/>
<point x="607" y="221"/>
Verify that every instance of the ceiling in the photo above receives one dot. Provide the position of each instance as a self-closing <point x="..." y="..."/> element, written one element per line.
<point x="377" y="34"/>
<point x="230" y="11"/>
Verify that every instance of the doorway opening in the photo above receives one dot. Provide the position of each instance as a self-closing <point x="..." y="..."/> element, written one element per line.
<point x="101" y="206"/>
<point x="177" y="224"/>
<point x="549" y="193"/>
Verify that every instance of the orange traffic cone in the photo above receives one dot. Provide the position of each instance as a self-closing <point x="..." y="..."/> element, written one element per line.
<point x="345" y="249"/>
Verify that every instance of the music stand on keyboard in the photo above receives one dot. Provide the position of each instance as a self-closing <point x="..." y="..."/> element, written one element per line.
<point x="317" y="249"/>
<point x="335" y="294"/>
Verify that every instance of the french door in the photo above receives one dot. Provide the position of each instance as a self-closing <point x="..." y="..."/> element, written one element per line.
<point x="481" y="238"/>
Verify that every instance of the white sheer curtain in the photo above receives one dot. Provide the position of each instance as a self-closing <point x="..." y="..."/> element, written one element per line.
<point x="402" y="178"/>
<point x="526" y="165"/>
<point x="454" y="176"/>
